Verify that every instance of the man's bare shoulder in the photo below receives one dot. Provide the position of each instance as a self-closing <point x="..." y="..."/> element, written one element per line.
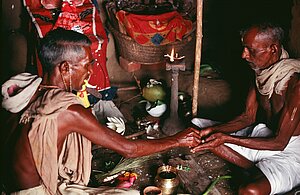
<point x="293" y="91"/>
<point x="77" y="118"/>
<point x="77" y="110"/>
<point x="294" y="83"/>
<point x="75" y="113"/>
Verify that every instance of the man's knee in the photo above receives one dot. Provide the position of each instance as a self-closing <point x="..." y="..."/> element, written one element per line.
<point x="251" y="189"/>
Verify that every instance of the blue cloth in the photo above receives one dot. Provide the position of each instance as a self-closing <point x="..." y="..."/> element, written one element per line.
<point x="107" y="94"/>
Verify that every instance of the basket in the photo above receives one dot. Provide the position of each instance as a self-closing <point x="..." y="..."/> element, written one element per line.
<point x="129" y="49"/>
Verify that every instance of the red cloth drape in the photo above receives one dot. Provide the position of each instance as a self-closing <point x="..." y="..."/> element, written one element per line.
<point x="157" y="29"/>
<point x="83" y="18"/>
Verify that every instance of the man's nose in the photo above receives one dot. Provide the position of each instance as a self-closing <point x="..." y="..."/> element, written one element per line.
<point x="245" y="53"/>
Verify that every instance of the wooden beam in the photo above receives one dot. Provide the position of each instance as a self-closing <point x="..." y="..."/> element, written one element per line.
<point x="199" y="36"/>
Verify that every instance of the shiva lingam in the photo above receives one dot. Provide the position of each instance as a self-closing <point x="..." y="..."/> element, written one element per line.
<point x="173" y="125"/>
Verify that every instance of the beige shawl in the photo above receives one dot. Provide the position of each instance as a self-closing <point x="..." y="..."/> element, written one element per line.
<point x="276" y="77"/>
<point x="74" y="162"/>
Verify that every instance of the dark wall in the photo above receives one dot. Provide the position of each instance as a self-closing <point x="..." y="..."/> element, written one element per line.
<point x="222" y="21"/>
<point x="14" y="34"/>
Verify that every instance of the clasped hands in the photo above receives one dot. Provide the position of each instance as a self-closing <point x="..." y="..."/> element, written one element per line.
<point x="199" y="140"/>
<point x="204" y="139"/>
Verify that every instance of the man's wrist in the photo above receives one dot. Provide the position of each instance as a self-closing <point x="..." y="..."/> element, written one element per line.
<point x="212" y="130"/>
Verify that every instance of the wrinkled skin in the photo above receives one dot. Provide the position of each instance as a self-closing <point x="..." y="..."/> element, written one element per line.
<point x="282" y="112"/>
<point x="20" y="170"/>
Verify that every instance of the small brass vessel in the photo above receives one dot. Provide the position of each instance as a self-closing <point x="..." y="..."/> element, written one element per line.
<point x="152" y="190"/>
<point x="167" y="179"/>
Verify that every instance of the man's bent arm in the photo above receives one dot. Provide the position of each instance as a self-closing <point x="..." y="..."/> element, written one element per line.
<point x="289" y="124"/>
<point x="246" y="119"/>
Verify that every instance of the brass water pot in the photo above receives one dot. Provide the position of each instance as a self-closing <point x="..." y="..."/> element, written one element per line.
<point x="167" y="179"/>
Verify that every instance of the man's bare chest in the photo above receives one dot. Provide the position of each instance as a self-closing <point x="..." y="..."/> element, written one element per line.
<point x="272" y="106"/>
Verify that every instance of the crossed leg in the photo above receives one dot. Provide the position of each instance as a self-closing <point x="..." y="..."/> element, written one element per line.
<point x="257" y="183"/>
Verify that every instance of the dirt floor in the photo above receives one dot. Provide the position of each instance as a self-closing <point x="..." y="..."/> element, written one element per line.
<point x="214" y="100"/>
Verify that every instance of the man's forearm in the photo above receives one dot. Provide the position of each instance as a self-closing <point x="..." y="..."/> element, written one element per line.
<point x="257" y="143"/>
<point x="234" y="125"/>
<point x="146" y="147"/>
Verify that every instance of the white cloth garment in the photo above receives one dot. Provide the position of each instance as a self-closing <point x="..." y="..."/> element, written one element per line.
<point x="103" y="109"/>
<point x="276" y="77"/>
<point x="280" y="167"/>
<point x="38" y="190"/>
<point x="75" y="189"/>
<point x="18" y="91"/>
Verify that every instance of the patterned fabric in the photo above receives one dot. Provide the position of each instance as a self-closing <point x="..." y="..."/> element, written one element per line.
<point x="82" y="16"/>
<point x="52" y="4"/>
<point x="158" y="29"/>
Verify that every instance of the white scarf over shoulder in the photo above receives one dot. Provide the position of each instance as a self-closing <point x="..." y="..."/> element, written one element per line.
<point x="18" y="91"/>
<point x="276" y="77"/>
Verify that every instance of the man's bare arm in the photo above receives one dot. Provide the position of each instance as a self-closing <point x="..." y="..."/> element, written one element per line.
<point x="244" y="120"/>
<point x="79" y="119"/>
<point x="288" y="126"/>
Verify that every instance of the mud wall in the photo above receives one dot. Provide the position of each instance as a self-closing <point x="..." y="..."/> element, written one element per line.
<point x="221" y="21"/>
<point x="295" y="29"/>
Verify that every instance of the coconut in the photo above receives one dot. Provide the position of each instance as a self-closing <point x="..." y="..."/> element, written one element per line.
<point x="153" y="91"/>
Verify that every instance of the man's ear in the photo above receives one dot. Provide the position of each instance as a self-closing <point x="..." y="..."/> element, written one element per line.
<point x="64" y="67"/>
<point x="275" y="48"/>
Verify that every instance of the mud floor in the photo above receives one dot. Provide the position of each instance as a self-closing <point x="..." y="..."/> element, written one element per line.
<point x="217" y="99"/>
<point x="205" y="167"/>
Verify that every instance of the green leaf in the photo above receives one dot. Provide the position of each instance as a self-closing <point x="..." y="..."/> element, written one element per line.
<point x="215" y="182"/>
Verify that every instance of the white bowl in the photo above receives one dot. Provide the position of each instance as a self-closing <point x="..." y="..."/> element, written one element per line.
<point x="156" y="111"/>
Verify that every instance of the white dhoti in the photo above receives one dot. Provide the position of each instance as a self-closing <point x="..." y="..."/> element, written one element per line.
<point x="75" y="189"/>
<point x="282" y="168"/>
<point x="38" y="190"/>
